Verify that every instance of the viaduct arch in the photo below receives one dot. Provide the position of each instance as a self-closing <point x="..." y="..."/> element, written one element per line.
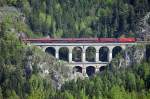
<point x="51" y="50"/>
<point x="102" y="68"/>
<point x="77" y="69"/>
<point x="86" y="58"/>
<point x="77" y="54"/>
<point x="90" y="70"/>
<point x="91" y="54"/>
<point x="104" y="54"/>
<point x="64" y="54"/>
<point x="116" y="51"/>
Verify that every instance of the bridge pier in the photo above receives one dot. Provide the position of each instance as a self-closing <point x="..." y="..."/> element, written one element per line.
<point x="97" y="70"/>
<point x="57" y="53"/>
<point x="70" y="57"/>
<point x="70" y="54"/>
<point x="84" y="56"/>
<point x="84" y="72"/>
<point x="97" y="53"/>
<point x="110" y="54"/>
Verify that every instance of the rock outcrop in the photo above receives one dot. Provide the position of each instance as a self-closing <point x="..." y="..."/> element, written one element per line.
<point x="131" y="56"/>
<point x="58" y="72"/>
<point x="143" y="28"/>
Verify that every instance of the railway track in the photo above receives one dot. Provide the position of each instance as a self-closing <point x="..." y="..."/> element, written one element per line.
<point x="143" y="42"/>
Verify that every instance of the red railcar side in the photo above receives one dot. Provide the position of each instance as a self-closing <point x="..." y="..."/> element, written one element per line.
<point x="107" y="40"/>
<point x="82" y="40"/>
<point x="126" y="40"/>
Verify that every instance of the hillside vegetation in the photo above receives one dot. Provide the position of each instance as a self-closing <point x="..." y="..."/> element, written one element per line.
<point x="28" y="73"/>
<point x="23" y="68"/>
<point x="19" y="81"/>
<point x="82" y="18"/>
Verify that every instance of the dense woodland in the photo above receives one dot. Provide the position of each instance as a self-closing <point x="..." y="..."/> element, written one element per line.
<point x="82" y="18"/>
<point x="113" y="83"/>
<point x="71" y="18"/>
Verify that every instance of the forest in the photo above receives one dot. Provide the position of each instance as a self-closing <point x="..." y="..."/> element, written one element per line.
<point x="82" y="18"/>
<point x="71" y="18"/>
<point x="112" y="83"/>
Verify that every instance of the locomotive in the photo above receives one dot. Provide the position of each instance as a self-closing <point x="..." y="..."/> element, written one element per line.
<point x="81" y="40"/>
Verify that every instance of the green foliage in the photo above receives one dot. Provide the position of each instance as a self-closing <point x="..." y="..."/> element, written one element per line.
<point x="13" y="22"/>
<point x="129" y="83"/>
<point x="96" y="18"/>
<point x="12" y="95"/>
<point x="38" y="90"/>
<point x="11" y="2"/>
<point x="117" y="93"/>
<point x="14" y="82"/>
<point x="70" y="18"/>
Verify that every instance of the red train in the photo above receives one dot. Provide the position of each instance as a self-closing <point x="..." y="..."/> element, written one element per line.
<point x="81" y="40"/>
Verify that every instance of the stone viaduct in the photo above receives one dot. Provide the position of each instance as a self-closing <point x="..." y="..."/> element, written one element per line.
<point x="77" y="54"/>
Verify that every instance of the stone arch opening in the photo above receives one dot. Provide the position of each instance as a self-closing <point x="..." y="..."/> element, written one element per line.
<point x="116" y="51"/>
<point x="90" y="54"/>
<point x="102" y="68"/>
<point x="77" y="69"/>
<point x="64" y="54"/>
<point x="51" y="51"/>
<point x="148" y="53"/>
<point x="77" y="54"/>
<point x="90" y="70"/>
<point x="104" y="54"/>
